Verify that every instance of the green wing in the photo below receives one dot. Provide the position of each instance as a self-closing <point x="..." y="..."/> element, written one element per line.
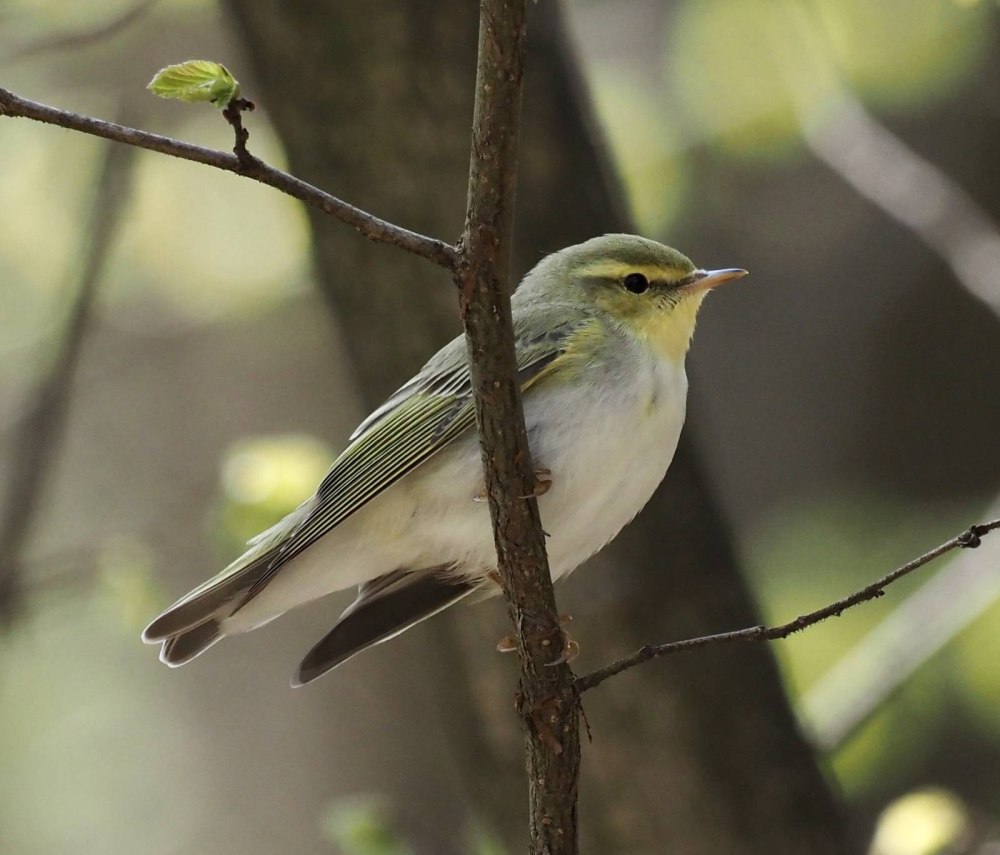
<point x="416" y="422"/>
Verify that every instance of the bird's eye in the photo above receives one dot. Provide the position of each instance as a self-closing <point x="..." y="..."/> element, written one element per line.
<point x="636" y="283"/>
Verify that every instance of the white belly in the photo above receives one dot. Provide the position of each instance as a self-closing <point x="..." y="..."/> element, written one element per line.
<point x="607" y="453"/>
<point x="611" y="461"/>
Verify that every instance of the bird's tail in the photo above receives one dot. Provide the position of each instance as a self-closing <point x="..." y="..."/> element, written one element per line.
<point x="194" y="623"/>
<point x="385" y="607"/>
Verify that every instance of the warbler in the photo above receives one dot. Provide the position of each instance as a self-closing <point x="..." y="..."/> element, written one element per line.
<point x="602" y="330"/>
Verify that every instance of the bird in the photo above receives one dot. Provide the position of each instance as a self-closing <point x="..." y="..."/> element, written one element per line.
<point x="601" y="331"/>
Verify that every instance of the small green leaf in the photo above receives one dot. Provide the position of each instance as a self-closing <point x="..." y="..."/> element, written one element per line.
<point x="196" y="80"/>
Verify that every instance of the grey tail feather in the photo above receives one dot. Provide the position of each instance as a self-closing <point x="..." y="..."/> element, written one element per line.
<point x="215" y="602"/>
<point x="182" y="648"/>
<point x="369" y="621"/>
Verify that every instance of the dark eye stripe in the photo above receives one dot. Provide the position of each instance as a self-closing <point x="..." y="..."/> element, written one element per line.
<point x="687" y="280"/>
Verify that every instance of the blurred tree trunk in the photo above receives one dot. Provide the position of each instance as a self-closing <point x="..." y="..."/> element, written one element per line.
<point x="695" y="754"/>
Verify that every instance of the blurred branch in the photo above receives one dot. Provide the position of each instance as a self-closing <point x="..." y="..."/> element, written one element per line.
<point x="244" y="164"/>
<point x="885" y="170"/>
<point x="969" y="539"/>
<point x="37" y="438"/>
<point x="853" y="689"/>
<point x="546" y="699"/>
<point x="910" y="190"/>
<point x="82" y="38"/>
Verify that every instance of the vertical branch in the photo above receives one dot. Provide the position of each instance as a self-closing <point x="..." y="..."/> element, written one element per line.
<point x="37" y="438"/>
<point x="547" y="699"/>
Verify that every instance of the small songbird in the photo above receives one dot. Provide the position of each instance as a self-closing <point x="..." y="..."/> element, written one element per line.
<point x="601" y="329"/>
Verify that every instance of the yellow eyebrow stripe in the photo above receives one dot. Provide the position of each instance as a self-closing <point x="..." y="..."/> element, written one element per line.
<point x="608" y="268"/>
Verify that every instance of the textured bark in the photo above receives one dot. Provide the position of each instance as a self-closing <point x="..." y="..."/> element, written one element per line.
<point x="697" y="754"/>
<point x="547" y="700"/>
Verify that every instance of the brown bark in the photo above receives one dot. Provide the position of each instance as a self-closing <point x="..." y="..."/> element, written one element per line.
<point x="547" y="700"/>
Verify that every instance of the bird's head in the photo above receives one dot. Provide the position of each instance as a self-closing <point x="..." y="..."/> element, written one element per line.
<point x="649" y="290"/>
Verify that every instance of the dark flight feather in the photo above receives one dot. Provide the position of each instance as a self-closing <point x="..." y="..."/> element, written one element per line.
<point x="385" y="607"/>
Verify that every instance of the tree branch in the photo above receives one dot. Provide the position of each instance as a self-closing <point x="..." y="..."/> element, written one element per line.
<point x="369" y="226"/>
<point x="968" y="539"/>
<point x="867" y="675"/>
<point x="547" y="700"/>
<point x="881" y="167"/>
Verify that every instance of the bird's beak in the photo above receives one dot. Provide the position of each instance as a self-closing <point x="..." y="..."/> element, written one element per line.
<point x="703" y="280"/>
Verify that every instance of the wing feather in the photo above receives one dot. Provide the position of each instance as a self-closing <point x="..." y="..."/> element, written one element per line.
<point x="417" y="421"/>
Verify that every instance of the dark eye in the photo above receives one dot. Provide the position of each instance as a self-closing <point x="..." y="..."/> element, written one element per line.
<point x="636" y="283"/>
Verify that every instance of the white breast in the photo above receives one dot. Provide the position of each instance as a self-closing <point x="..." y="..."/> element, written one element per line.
<point x="607" y="450"/>
<point x="607" y="459"/>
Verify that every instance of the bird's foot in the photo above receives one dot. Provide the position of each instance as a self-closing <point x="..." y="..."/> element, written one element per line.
<point x="507" y="644"/>
<point x="570" y="650"/>
<point x="543" y="484"/>
<point x="570" y="647"/>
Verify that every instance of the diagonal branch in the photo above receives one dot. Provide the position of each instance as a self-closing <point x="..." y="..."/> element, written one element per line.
<point x="369" y="226"/>
<point x="968" y="539"/>
<point x="909" y="190"/>
<point x="850" y="692"/>
<point x="880" y="166"/>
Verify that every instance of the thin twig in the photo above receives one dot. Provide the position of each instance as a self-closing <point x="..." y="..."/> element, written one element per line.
<point x="850" y="692"/>
<point x="234" y="115"/>
<point x="968" y="539"/>
<point x="37" y="439"/>
<point x="369" y="226"/>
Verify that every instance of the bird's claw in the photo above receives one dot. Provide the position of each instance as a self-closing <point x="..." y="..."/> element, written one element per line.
<point x="542" y="486"/>
<point x="570" y="648"/>
<point x="507" y="644"/>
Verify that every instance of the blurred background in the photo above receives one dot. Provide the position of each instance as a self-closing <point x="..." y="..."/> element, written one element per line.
<point x="182" y="353"/>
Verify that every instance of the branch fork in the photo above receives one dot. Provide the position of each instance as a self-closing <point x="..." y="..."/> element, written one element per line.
<point x="233" y="113"/>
